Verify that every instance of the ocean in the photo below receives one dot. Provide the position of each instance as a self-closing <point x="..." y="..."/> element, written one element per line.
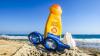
<point x="76" y="36"/>
<point x="86" y="36"/>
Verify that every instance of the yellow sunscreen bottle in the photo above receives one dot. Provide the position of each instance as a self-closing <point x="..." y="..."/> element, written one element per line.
<point x="53" y="24"/>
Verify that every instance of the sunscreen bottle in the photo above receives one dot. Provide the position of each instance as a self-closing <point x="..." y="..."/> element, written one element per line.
<point x="53" y="23"/>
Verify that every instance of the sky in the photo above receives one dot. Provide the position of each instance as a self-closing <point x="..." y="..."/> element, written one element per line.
<point x="25" y="16"/>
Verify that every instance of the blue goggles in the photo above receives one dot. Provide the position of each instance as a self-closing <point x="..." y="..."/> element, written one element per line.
<point x="35" y="38"/>
<point x="52" y="42"/>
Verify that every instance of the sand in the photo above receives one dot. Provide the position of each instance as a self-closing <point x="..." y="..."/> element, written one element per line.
<point x="17" y="48"/>
<point x="7" y="48"/>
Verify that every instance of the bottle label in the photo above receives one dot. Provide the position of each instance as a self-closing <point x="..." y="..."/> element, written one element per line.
<point x="54" y="28"/>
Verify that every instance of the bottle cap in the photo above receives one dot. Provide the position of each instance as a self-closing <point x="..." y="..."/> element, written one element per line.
<point x="56" y="9"/>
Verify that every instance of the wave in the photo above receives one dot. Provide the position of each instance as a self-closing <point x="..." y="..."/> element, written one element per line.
<point x="93" y="40"/>
<point x="14" y="37"/>
<point x="89" y="43"/>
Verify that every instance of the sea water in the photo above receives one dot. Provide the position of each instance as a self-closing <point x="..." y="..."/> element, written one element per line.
<point x="82" y="40"/>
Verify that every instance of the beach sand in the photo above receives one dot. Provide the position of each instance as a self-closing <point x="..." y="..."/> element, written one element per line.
<point x="21" y="48"/>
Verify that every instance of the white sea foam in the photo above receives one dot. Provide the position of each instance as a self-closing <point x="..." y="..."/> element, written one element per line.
<point x="14" y="37"/>
<point x="92" y="43"/>
<point x="89" y="40"/>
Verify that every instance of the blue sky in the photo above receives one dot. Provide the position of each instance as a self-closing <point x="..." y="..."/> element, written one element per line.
<point x="25" y="16"/>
